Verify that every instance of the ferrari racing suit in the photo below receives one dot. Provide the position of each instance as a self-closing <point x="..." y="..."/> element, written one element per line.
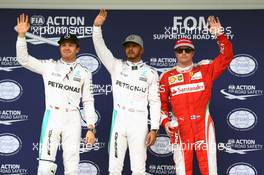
<point x="188" y="92"/>
<point x="65" y="85"/>
<point x="135" y="85"/>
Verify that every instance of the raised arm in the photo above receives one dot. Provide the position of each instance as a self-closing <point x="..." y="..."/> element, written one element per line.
<point x="221" y="62"/>
<point x="101" y="49"/>
<point x="23" y="57"/>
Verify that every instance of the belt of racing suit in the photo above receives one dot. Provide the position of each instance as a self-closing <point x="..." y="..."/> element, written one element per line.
<point x="128" y="108"/>
<point x="63" y="108"/>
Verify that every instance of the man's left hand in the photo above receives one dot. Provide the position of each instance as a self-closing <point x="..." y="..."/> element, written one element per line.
<point x="215" y="26"/>
<point x="151" y="138"/>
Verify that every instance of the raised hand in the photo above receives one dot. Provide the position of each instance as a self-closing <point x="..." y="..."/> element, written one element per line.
<point x="215" y="27"/>
<point x="100" y="18"/>
<point x="22" y="25"/>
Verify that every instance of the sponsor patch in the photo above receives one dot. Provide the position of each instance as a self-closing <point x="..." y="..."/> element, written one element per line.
<point x="187" y="88"/>
<point x="143" y="79"/>
<point x="77" y="79"/>
<point x="197" y="76"/>
<point x="176" y="79"/>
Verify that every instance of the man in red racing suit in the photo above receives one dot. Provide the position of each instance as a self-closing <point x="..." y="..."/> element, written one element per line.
<point x="187" y="88"/>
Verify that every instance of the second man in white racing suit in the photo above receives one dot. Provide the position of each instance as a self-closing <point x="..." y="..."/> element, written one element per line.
<point x="135" y="86"/>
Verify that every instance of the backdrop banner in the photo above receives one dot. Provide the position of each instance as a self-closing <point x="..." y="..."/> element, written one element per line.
<point x="235" y="104"/>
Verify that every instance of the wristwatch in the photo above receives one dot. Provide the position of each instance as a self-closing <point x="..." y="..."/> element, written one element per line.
<point x="93" y="130"/>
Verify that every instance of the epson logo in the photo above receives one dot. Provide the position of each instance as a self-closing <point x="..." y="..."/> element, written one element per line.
<point x="90" y="61"/>
<point x="10" y="90"/>
<point x="88" y="167"/>
<point x="241" y="168"/>
<point x="243" y="65"/>
<point x="162" y="146"/>
<point x="10" y="144"/>
<point x="242" y="119"/>
<point x="83" y="118"/>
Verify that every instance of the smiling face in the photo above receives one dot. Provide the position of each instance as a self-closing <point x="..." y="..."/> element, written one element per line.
<point x="68" y="51"/>
<point x="184" y="56"/>
<point x="133" y="51"/>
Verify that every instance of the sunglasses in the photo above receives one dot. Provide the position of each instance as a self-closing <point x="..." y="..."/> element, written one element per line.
<point x="187" y="50"/>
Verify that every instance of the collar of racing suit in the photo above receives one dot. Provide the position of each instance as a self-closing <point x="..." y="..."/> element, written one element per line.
<point x="184" y="69"/>
<point x="70" y="64"/>
<point x="136" y="64"/>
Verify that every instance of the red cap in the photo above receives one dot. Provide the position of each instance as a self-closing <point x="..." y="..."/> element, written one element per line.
<point x="184" y="42"/>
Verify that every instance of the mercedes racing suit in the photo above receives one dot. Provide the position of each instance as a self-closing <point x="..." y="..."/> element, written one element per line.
<point x="188" y="91"/>
<point x="135" y="85"/>
<point x="65" y="85"/>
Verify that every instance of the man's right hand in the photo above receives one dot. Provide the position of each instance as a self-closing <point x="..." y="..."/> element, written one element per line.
<point x="22" y="25"/>
<point x="100" y="18"/>
<point x="170" y="127"/>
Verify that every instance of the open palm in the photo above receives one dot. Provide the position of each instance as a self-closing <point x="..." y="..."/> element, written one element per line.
<point x="100" y="18"/>
<point x="22" y="25"/>
<point x="215" y="27"/>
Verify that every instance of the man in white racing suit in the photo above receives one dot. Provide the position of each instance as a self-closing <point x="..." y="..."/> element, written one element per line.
<point x="135" y="85"/>
<point x="66" y="84"/>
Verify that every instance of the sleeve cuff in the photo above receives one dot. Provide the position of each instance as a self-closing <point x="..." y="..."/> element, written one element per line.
<point x="154" y="127"/>
<point x="164" y="121"/>
<point x="221" y="37"/>
<point x="21" y="39"/>
<point x="97" y="29"/>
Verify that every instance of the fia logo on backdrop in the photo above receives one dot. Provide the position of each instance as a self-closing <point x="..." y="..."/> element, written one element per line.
<point x="9" y="63"/>
<point x="241" y="92"/>
<point x="48" y="29"/>
<point x="9" y="117"/>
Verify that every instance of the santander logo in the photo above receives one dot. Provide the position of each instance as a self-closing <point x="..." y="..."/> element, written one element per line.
<point x="187" y="88"/>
